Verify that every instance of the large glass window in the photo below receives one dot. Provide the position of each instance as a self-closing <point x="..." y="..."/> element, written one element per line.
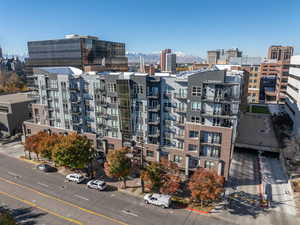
<point x="193" y="134"/>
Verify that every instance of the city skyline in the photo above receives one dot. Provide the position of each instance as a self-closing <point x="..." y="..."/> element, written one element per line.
<point x="226" y="25"/>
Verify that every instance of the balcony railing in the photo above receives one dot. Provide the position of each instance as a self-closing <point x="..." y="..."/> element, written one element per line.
<point x="153" y="95"/>
<point x="154" y="122"/>
<point x="154" y="108"/>
<point x="180" y="110"/>
<point x="179" y="136"/>
<point x="180" y="96"/>
<point x="154" y="134"/>
<point x="179" y="123"/>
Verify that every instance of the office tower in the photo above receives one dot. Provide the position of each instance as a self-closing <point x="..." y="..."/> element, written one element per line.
<point x="280" y="53"/>
<point x="170" y="63"/>
<point x="163" y="54"/>
<point x="142" y="65"/>
<point x="222" y="57"/>
<point x="189" y="118"/>
<point x="213" y="57"/>
<point x="83" y="52"/>
<point x="1" y="56"/>
<point x="233" y="52"/>
<point x="292" y="94"/>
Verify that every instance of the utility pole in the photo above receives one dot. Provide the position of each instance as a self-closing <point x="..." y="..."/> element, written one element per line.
<point x="142" y="164"/>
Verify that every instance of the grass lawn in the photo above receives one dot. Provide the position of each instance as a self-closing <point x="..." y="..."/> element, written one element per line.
<point x="260" y="109"/>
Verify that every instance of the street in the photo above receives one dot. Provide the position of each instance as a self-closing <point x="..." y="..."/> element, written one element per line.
<point x="246" y="188"/>
<point x="57" y="201"/>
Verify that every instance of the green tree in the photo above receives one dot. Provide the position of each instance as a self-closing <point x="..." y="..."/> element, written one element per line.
<point x="162" y="177"/>
<point x="206" y="185"/>
<point x="118" y="165"/>
<point x="74" y="151"/>
<point x="6" y="218"/>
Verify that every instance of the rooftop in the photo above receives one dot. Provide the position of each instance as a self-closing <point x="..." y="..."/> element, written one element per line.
<point x="15" y="98"/>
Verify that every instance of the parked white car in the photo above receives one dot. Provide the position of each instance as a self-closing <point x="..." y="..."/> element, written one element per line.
<point x="97" y="184"/>
<point x="75" y="177"/>
<point x="158" y="199"/>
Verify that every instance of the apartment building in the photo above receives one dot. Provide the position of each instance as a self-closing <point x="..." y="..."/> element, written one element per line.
<point x="189" y="118"/>
<point x="277" y="71"/>
<point x="281" y="53"/>
<point x="292" y="101"/>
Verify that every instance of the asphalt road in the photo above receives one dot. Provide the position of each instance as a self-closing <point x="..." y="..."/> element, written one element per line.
<point x="49" y="195"/>
<point x="247" y="190"/>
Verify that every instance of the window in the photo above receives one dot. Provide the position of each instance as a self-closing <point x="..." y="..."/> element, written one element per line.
<point x="196" y="106"/>
<point x="195" y="119"/>
<point x="209" y="164"/>
<point x="28" y="131"/>
<point x="177" y="158"/>
<point x="180" y="145"/>
<point x="149" y="153"/>
<point x="196" y="91"/>
<point x="192" y="147"/>
<point x="193" y="134"/>
<point x="112" y="87"/>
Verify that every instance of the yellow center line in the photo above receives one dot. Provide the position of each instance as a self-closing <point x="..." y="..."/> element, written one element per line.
<point x="64" y="202"/>
<point x="43" y="209"/>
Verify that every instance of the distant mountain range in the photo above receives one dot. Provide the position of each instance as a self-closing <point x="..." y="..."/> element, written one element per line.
<point x="154" y="57"/>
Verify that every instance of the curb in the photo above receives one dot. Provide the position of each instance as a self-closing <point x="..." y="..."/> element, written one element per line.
<point x="197" y="210"/>
<point x="30" y="161"/>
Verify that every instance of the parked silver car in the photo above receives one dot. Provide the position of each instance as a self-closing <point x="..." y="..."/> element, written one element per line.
<point x="158" y="199"/>
<point x="97" y="184"/>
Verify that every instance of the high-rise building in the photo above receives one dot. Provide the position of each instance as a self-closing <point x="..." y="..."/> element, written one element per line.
<point x="163" y="59"/>
<point x="189" y="118"/>
<point x="170" y="63"/>
<point x="275" y="72"/>
<point x="1" y="56"/>
<point x="292" y="94"/>
<point x="280" y="53"/>
<point x="213" y="56"/>
<point x="252" y="66"/>
<point x="222" y="57"/>
<point x="83" y="52"/>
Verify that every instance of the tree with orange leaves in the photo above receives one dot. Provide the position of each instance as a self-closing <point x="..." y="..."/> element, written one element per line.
<point x="206" y="185"/>
<point x="33" y="143"/>
<point x="118" y="164"/>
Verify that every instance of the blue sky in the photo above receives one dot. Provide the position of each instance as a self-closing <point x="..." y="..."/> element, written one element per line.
<point x="190" y="26"/>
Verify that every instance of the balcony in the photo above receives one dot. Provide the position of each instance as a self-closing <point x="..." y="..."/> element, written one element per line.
<point x="155" y="123"/>
<point x="74" y="89"/>
<point x="168" y="108"/>
<point x="154" y="134"/>
<point x="180" y="110"/>
<point x="154" y="108"/>
<point x="180" y="96"/>
<point x="153" y="95"/>
<point x="179" y="123"/>
<point x="168" y="94"/>
<point x="179" y="136"/>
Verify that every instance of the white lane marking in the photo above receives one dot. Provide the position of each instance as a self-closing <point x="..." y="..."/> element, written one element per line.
<point x="13" y="174"/>
<point x="42" y="184"/>
<point x="126" y="211"/>
<point x="79" y="196"/>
